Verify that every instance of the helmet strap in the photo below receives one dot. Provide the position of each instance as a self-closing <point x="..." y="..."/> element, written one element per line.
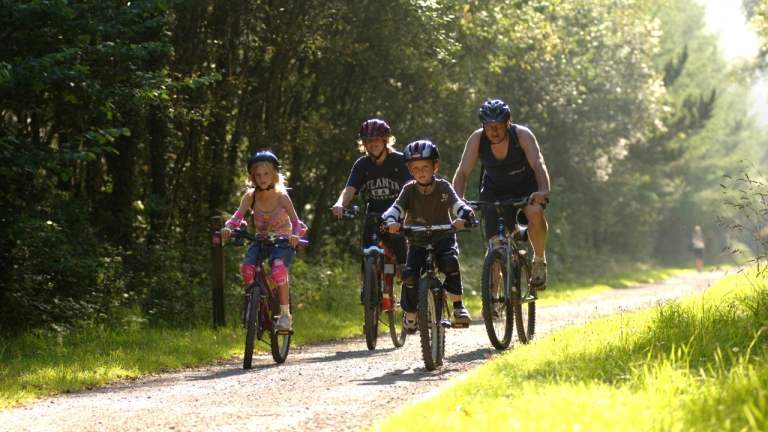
<point x="376" y="158"/>
<point x="506" y="134"/>
<point x="426" y="186"/>
<point x="268" y="188"/>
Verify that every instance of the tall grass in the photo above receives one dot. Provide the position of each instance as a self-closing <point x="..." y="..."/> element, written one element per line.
<point x="698" y="364"/>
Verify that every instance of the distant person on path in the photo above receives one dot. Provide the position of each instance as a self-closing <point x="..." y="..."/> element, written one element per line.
<point x="513" y="168"/>
<point x="273" y="213"/>
<point x="698" y="247"/>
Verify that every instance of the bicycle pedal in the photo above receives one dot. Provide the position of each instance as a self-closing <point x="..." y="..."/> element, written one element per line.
<point x="460" y="325"/>
<point x="284" y="332"/>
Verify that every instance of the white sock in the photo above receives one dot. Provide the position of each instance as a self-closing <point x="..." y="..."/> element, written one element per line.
<point x="285" y="309"/>
<point x="540" y="258"/>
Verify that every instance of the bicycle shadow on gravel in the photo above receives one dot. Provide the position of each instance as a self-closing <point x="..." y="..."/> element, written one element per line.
<point x="401" y="376"/>
<point x="321" y="357"/>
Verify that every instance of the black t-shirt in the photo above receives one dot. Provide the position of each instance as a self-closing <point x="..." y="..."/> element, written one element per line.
<point x="379" y="185"/>
<point x="514" y="170"/>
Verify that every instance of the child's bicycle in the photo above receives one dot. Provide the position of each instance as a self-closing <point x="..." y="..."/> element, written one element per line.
<point x="379" y="293"/>
<point x="262" y="307"/>
<point x="506" y="282"/>
<point x="434" y="313"/>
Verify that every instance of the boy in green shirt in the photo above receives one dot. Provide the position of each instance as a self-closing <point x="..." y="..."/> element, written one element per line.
<point x="429" y="201"/>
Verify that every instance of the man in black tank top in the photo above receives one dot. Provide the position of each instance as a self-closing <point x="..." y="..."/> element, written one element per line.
<point x="513" y="168"/>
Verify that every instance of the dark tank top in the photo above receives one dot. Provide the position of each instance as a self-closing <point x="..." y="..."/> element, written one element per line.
<point x="513" y="170"/>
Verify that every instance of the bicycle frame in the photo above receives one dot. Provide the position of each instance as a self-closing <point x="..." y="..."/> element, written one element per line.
<point x="378" y="295"/>
<point x="430" y="270"/>
<point x="509" y="244"/>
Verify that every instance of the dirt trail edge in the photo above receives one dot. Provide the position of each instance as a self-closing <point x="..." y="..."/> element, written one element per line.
<point x="337" y="386"/>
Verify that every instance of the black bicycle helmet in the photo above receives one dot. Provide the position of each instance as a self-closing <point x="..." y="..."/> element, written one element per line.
<point x="264" y="156"/>
<point x="421" y="150"/>
<point x="374" y="128"/>
<point x="493" y="111"/>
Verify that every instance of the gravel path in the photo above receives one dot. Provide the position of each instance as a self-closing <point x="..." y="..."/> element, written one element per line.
<point x="336" y="386"/>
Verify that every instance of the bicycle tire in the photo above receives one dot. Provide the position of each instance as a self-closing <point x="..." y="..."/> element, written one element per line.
<point x="280" y="343"/>
<point x="252" y="327"/>
<point x="371" y="302"/>
<point x="525" y="313"/>
<point x="497" y="307"/>
<point x="431" y="332"/>
<point x="396" y="316"/>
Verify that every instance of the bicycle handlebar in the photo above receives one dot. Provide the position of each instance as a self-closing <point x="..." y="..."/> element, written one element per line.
<point x="355" y="211"/>
<point x="515" y="202"/>
<point x="270" y="238"/>
<point x="409" y="229"/>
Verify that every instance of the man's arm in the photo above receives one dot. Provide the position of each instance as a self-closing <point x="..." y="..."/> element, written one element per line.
<point x="536" y="160"/>
<point x="468" y="159"/>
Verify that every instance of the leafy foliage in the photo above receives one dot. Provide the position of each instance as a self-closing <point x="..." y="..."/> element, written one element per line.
<point x="127" y="125"/>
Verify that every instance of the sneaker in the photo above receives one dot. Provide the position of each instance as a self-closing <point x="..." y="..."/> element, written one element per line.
<point x="539" y="275"/>
<point x="461" y="316"/>
<point x="285" y="322"/>
<point x="410" y="322"/>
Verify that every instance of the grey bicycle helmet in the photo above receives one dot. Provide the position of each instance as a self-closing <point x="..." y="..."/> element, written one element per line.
<point x="421" y="150"/>
<point x="494" y="111"/>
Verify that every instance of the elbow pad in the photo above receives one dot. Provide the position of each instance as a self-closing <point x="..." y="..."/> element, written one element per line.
<point x="298" y="228"/>
<point x="392" y="214"/>
<point x="235" y="220"/>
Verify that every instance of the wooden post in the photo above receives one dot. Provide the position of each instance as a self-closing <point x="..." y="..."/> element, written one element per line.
<point x="217" y="272"/>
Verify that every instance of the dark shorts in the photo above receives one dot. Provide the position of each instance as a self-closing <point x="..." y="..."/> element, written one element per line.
<point x="511" y="215"/>
<point x="698" y="253"/>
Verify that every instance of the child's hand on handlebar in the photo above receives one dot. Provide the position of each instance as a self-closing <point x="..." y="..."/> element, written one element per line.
<point x="293" y="240"/>
<point x="393" y="227"/>
<point x="337" y="210"/>
<point x="458" y="223"/>
<point x="225" y="233"/>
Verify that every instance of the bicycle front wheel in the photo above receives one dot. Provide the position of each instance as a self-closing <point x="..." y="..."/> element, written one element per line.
<point x="431" y="332"/>
<point x="524" y="304"/>
<point x="395" y="316"/>
<point x="280" y="342"/>
<point x="497" y="305"/>
<point x="252" y="328"/>
<point x="371" y="303"/>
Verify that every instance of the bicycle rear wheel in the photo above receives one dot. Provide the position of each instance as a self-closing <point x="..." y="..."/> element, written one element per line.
<point x="497" y="305"/>
<point x="525" y="312"/>
<point x="431" y="332"/>
<point x="278" y="341"/>
<point x="252" y="328"/>
<point x="371" y="301"/>
<point x="395" y="316"/>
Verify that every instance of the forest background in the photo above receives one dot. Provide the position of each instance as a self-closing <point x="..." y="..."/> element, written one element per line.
<point x="125" y="126"/>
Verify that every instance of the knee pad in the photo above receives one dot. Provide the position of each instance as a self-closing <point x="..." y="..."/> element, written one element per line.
<point x="410" y="277"/>
<point x="448" y="264"/>
<point x="279" y="272"/>
<point x="453" y="284"/>
<point x="249" y="273"/>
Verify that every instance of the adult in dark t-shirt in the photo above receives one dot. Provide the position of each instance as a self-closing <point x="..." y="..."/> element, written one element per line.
<point x="378" y="177"/>
<point x="514" y="168"/>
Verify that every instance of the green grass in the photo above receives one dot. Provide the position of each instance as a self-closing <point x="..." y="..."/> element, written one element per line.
<point x="698" y="364"/>
<point x="32" y="366"/>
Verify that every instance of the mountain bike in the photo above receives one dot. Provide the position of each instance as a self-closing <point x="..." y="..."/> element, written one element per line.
<point x="434" y="313"/>
<point x="262" y="307"/>
<point x="506" y="282"/>
<point x="379" y="293"/>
